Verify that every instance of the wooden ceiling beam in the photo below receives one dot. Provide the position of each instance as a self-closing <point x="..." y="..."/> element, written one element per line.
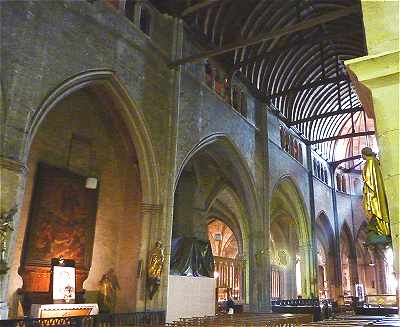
<point x="290" y="45"/>
<point x="309" y="23"/>
<point x="198" y="6"/>
<point x="308" y="86"/>
<point x="326" y="114"/>
<point x="338" y="162"/>
<point x="344" y="136"/>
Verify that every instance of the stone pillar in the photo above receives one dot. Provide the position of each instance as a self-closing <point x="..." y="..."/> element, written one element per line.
<point x="338" y="290"/>
<point x="259" y="273"/>
<point x="377" y="81"/>
<point x="313" y="244"/>
<point x="12" y="180"/>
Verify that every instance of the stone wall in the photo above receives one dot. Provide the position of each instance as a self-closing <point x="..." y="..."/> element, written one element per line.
<point x="45" y="44"/>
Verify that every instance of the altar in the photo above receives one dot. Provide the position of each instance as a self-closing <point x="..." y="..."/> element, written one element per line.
<point x="63" y="310"/>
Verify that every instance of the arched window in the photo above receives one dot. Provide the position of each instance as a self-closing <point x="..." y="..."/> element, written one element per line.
<point x="286" y="141"/>
<point x="357" y="186"/>
<point x="291" y="145"/>
<point x="130" y="10"/>
<point x="236" y="98"/>
<point x="315" y="167"/>
<point x="145" y="21"/>
<point x="338" y="182"/>
<point x="275" y="283"/>
<point x="344" y="183"/>
<point x="208" y="74"/>
<point x="300" y="154"/>
<point x="295" y="150"/>
<point x="282" y="136"/>
<point x="321" y="172"/>
<point x="243" y="104"/>
<point x="227" y="86"/>
<point x="219" y="83"/>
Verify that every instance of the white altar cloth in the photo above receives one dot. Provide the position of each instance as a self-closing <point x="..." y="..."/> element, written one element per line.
<point x="63" y="310"/>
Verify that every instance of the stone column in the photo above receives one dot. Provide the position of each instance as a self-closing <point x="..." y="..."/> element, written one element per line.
<point x="377" y="81"/>
<point x="313" y="244"/>
<point x="259" y="273"/>
<point x="338" y="290"/>
<point x="12" y="181"/>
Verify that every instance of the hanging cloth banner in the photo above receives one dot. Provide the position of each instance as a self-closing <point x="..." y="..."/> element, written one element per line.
<point x="191" y="257"/>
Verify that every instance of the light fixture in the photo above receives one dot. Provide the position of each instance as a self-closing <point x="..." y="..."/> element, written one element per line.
<point x="216" y="274"/>
<point x="371" y="264"/>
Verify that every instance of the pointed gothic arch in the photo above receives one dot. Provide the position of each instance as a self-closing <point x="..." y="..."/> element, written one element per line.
<point x="287" y="204"/>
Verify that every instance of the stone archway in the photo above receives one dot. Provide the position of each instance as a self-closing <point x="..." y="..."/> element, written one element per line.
<point x="326" y="259"/>
<point x="91" y="128"/>
<point x="348" y="262"/>
<point x="287" y="209"/>
<point x="214" y="168"/>
<point x="370" y="264"/>
<point x="225" y="207"/>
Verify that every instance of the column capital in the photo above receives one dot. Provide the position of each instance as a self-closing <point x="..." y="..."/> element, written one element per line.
<point x="369" y="68"/>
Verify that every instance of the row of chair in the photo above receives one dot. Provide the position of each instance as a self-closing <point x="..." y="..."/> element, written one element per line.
<point x="245" y="320"/>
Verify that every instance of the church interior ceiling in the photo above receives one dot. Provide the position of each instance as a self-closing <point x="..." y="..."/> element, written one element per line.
<point x="290" y="54"/>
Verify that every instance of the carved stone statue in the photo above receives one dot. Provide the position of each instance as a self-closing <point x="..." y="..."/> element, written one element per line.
<point x="108" y="291"/>
<point x="155" y="265"/>
<point x="374" y="200"/>
<point x="6" y="221"/>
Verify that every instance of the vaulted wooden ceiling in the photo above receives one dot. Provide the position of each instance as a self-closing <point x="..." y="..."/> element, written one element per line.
<point x="290" y="53"/>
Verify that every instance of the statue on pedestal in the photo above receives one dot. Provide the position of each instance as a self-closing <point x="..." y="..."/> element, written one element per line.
<point x="108" y="291"/>
<point x="6" y="222"/>
<point x="374" y="200"/>
<point x="155" y="265"/>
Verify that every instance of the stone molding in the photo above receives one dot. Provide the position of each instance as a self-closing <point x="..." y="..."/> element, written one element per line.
<point x="13" y="165"/>
<point x="150" y="208"/>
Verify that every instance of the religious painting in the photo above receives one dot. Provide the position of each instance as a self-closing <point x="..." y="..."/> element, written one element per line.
<point x="62" y="218"/>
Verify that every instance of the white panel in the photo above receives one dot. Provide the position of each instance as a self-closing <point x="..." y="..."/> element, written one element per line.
<point x="190" y="297"/>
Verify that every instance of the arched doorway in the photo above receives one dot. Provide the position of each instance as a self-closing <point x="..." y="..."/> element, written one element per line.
<point x="286" y="267"/>
<point x="371" y="265"/>
<point x="84" y="191"/>
<point x="228" y="270"/>
<point x="325" y="256"/>
<point x="348" y="267"/>
<point x="290" y="236"/>
<point x="214" y="190"/>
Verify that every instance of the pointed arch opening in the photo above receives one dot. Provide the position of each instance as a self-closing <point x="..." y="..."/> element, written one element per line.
<point x="290" y="236"/>
<point x="215" y="190"/>
<point x="88" y="156"/>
